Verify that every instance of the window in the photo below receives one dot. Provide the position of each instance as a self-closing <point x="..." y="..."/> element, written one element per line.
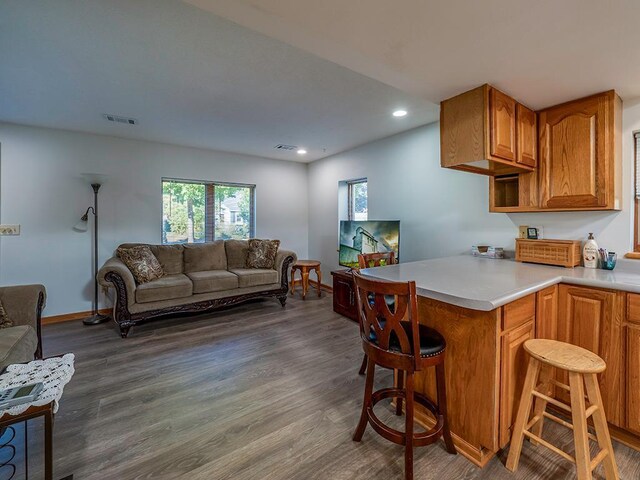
<point x="196" y="212"/>
<point x="358" y="199"/>
<point x="636" y="237"/>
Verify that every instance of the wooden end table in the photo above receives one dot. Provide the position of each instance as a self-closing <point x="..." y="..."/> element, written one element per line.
<point x="305" y="267"/>
<point x="47" y="411"/>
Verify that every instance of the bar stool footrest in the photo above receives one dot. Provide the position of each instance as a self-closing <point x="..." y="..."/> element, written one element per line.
<point x="396" y="436"/>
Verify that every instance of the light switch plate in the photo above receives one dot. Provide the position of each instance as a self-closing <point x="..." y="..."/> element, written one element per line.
<point x="9" y="230"/>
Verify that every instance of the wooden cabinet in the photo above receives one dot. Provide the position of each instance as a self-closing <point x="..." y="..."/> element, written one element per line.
<point x="579" y="158"/>
<point x="479" y="133"/>
<point x="344" y="300"/>
<point x="518" y="326"/>
<point x="578" y="152"/>
<point x="592" y="319"/>
<point x="632" y="356"/>
<point x="502" y="126"/>
<point x="527" y="136"/>
<point x="633" y="377"/>
<point x="547" y="313"/>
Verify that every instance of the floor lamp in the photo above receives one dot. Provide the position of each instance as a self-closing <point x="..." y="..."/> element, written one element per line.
<point x="82" y="226"/>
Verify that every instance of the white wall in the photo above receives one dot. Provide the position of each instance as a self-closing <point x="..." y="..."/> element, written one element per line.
<point x="443" y="212"/>
<point x="42" y="189"/>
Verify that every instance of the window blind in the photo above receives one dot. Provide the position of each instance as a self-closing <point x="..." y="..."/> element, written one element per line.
<point x="637" y="164"/>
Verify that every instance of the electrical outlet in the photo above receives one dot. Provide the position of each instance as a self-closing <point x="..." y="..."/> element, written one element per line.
<point x="9" y="230"/>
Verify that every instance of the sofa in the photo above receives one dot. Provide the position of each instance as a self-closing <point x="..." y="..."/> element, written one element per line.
<point x="198" y="278"/>
<point x="22" y="342"/>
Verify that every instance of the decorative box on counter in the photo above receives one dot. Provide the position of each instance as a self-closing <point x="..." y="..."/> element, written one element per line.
<point x="564" y="253"/>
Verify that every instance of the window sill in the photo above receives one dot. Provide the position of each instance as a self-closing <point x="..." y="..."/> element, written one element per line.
<point x="633" y="255"/>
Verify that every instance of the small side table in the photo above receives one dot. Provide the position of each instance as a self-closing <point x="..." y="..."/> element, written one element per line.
<point x="305" y="266"/>
<point x="54" y="373"/>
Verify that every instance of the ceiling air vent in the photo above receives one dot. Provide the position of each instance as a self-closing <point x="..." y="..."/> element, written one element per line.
<point x="118" y="119"/>
<point x="282" y="146"/>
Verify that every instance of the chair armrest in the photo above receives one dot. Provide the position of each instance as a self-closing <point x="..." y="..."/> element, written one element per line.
<point x="283" y="255"/>
<point x="115" y="266"/>
<point x="24" y="305"/>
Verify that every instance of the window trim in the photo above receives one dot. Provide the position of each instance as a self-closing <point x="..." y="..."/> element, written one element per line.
<point x="210" y="226"/>
<point x="350" y="206"/>
<point x="636" y="196"/>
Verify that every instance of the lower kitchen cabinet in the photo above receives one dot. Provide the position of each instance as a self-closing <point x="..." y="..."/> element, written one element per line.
<point x="514" y="369"/>
<point x="593" y="319"/>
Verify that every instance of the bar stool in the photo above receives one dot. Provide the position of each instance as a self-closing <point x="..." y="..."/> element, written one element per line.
<point x="369" y="260"/>
<point x="393" y="338"/>
<point x="582" y="366"/>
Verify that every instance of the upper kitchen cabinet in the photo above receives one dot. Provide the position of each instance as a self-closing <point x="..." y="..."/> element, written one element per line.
<point x="485" y="131"/>
<point x="580" y="154"/>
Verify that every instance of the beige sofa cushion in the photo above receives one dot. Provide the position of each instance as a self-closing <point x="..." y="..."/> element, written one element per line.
<point x="213" y="281"/>
<point x="17" y="345"/>
<point x="237" y="251"/>
<point x="165" y="288"/>
<point x="171" y="257"/>
<point x="251" y="277"/>
<point x="200" y="257"/>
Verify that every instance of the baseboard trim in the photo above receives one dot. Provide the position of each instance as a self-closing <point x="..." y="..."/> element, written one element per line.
<point x="67" y="317"/>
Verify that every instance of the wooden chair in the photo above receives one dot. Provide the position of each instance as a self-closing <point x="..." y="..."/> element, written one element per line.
<point x="582" y="366"/>
<point x="393" y="338"/>
<point x="369" y="260"/>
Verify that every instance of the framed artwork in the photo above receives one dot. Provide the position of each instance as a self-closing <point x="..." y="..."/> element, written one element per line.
<point x="532" y="233"/>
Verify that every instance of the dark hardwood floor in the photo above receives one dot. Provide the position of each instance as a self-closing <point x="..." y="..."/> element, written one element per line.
<point x="254" y="392"/>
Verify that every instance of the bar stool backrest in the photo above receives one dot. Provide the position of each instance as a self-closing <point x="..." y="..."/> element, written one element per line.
<point x="368" y="260"/>
<point x="384" y="324"/>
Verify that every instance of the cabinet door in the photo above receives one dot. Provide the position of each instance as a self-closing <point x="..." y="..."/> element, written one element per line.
<point x="633" y="378"/>
<point x="527" y="136"/>
<point x="575" y="150"/>
<point x="547" y="313"/>
<point x="592" y="319"/>
<point x="514" y="361"/>
<point x="502" y="125"/>
<point x="344" y="298"/>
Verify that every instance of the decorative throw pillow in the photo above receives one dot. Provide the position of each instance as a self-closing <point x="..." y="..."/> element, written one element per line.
<point x="5" y="321"/>
<point x="143" y="264"/>
<point x="262" y="253"/>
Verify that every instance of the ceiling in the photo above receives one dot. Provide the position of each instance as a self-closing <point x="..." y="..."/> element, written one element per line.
<point x="541" y="52"/>
<point x="189" y="77"/>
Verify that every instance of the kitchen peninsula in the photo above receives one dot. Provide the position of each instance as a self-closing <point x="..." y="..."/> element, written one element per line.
<point x="486" y="309"/>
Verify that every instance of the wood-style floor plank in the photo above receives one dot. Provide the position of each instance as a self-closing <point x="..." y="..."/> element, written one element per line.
<point x="253" y="392"/>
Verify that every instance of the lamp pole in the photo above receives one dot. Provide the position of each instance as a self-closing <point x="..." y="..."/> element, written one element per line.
<point x="95" y="317"/>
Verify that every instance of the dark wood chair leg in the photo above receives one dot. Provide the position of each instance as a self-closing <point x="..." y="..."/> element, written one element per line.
<point x="400" y="385"/>
<point x="442" y="407"/>
<point x="363" y="366"/>
<point x="408" y="447"/>
<point x="368" y="390"/>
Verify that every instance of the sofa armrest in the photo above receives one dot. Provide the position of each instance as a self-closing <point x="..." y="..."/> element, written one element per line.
<point x="24" y="305"/>
<point x="115" y="274"/>
<point x="282" y="256"/>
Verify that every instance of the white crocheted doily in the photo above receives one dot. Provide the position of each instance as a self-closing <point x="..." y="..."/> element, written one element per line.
<point x="53" y="372"/>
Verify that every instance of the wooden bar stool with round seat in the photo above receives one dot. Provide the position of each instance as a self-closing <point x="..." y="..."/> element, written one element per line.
<point x="369" y="260"/>
<point x="393" y="338"/>
<point x="583" y="367"/>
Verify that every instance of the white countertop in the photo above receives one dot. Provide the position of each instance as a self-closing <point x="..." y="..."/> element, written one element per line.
<point x="485" y="284"/>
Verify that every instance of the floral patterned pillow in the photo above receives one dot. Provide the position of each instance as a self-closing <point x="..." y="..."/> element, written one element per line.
<point x="143" y="264"/>
<point x="262" y="253"/>
<point x="5" y="321"/>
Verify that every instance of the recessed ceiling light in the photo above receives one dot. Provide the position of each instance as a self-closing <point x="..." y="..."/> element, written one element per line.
<point x="302" y="151"/>
<point x="400" y="113"/>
